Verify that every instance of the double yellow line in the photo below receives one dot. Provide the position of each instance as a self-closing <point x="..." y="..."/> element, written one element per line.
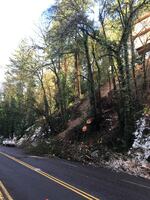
<point x="4" y="194"/>
<point x="52" y="178"/>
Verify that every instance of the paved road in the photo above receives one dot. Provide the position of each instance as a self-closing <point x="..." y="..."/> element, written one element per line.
<point x="36" y="178"/>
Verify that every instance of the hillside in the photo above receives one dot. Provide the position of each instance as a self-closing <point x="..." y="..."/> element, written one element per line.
<point x="101" y="146"/>
<point x="83" y="108"/>
<point x="80" y="90"/>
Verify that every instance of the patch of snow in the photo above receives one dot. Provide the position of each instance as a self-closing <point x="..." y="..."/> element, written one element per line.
<point x="141" y="145"/>
<point x="37" y="130"/>
<point x="37" y="133"/>
<point x="30" y="137"/>
<point x="136" y="161"/>
<point x="22" y="140"/>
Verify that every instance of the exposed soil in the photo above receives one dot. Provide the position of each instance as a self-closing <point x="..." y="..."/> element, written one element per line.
<point x="83" y="109"/>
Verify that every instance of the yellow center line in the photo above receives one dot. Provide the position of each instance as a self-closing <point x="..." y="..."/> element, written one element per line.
<point x="1" y="196"/>
<point x="4" y="194"/>
<point x="56" y="180"/>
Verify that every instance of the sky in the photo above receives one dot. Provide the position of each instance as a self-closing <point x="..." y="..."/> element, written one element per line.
<point x="18" y="19"/>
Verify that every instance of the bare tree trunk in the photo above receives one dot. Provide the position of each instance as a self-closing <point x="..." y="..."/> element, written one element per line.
<point x="128" y="102"/>
<point x="110" y="59"/>
<point x="46" y="105"/>
<point x="113" y="72"/>
<point x="144" y="73"/>
<point x="109" y="79"/>
<point x="56" y="70"/>
<point x="133" y="64"/>
<point x="90" y="77"/>
<point x="99" y="81"/>
<point x="61" y="105"/>
<point x="78" y="75"/>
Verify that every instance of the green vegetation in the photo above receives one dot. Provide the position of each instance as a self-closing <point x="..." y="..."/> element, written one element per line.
<point x="74" y="57"/>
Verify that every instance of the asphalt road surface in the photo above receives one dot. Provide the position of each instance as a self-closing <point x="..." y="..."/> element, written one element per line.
<point x="29" y="177"/>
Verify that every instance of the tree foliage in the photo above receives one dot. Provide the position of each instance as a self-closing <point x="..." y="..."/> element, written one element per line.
<point x="77" y="54"/>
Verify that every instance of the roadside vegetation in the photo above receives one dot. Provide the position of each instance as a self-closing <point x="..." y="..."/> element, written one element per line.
<point x="80" y="83"/>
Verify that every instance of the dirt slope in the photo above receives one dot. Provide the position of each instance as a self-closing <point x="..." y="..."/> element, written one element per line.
<point x="83" y="108"/>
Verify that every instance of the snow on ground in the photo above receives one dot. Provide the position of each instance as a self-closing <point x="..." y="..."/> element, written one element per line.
<point x="137" y="161"/>
<point x="142" y="139"/>
<point x="32" y="137"/>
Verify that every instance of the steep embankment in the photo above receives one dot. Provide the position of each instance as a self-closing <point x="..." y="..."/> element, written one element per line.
<point x="83" y="109"/>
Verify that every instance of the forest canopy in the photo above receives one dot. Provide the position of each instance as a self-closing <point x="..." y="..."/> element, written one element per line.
<point x="81" y="46"/>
